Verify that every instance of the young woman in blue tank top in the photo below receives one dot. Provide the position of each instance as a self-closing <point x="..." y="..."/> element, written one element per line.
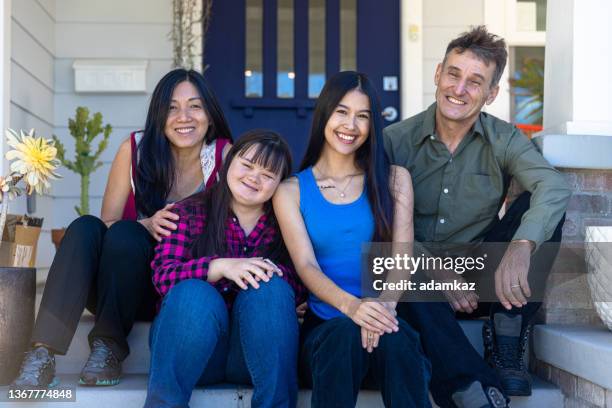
<point x="346" y="194"/>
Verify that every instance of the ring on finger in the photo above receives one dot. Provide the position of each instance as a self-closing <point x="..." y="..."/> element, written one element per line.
<point x="516" y="286"/>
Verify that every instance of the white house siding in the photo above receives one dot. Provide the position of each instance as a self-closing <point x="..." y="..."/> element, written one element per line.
<point x="32" y="87"/>
<point x="47" y="37"/>
<point x="443" y="20"/>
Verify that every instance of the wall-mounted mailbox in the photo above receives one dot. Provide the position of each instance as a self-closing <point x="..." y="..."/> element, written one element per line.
<point x="110" y="76"/>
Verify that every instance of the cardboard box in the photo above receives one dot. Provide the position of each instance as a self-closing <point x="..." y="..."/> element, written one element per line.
<point x="19" y="242"/>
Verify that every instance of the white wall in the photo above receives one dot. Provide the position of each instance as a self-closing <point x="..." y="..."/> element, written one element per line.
<point x="32" y="88"/>
<point x="444" y="20"/>
<point x="110" y="29"/>
<point x="47" y="36"/>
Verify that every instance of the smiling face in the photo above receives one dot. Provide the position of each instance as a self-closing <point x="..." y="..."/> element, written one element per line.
<point x="463" y="87"/>
<point x="250" y="183"/>
<point x="348" y="126"/>
<point x="187" y="120"/>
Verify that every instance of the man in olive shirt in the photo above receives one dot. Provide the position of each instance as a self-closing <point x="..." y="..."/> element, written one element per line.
<point x="461" y="161"/>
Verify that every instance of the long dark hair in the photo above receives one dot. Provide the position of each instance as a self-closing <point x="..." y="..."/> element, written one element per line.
<point x="155" y="171"/>
<point x="370" y="157"/>
<point x="270" y="151"/>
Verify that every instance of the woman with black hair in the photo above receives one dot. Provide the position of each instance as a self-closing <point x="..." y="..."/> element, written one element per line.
<point x="345" y="195"/>
<point x="104" y="264"/>
<point x="229" y="291"/>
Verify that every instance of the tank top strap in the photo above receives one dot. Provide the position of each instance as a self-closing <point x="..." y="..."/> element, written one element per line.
<point x="308" y="188"/>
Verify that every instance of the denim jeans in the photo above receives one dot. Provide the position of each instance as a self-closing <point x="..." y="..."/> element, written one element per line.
<point x="194" y="343"/>
<point x="334" y="363"/>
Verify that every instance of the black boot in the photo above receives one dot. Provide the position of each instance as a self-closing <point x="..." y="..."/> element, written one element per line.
<point x="505" y="342"/>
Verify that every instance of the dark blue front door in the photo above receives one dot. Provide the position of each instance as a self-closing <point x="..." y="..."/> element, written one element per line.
<point x="268" y="59"/>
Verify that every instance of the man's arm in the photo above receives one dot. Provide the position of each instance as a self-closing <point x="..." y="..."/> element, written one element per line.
<point x="549" y="197"/>
<point x="550" y="192"/>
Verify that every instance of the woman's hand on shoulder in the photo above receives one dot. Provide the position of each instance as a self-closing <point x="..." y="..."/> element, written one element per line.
<point x="162" y="223"/>
<point x="243" y="271"/>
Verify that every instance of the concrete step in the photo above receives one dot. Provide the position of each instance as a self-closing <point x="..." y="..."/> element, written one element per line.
<point x="131" y="392"/>
<point x="138" y="360"/>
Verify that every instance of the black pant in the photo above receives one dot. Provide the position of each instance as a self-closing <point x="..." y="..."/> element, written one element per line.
<point x="334" y="363"/>
<point x="104" y="269"/>
<point x="455" y="363"/>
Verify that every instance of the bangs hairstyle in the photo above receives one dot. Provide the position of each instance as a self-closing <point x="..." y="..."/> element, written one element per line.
<point x="156" y="169"/>
<point x="370" y="157"/>
<point x="270" y="151"/>
<point x="488" y="47"/>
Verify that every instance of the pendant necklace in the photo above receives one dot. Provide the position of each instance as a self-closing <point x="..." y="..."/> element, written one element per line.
<point x="341" y="192"/>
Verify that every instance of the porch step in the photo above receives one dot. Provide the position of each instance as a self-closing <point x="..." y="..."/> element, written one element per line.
<point x="131" y="392"/>
<point x="138" y="360"/>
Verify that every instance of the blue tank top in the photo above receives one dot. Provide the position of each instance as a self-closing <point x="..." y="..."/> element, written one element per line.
<point x="337" y="232"/>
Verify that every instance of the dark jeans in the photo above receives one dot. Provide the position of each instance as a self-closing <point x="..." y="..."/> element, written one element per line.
<point x="104" y="269"/>
<point x="455" y="363"/>
<point x="334" y="363"/>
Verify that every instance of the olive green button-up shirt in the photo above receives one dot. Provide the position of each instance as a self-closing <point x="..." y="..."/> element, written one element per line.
<point x="458" y="196"/>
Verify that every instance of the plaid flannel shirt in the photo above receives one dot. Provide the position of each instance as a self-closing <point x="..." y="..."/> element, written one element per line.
<point x="173" y="261"/>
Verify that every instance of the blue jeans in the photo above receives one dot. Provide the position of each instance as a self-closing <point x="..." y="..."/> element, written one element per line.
<point x="336" y="365"/>
<point x="193" y="343"/>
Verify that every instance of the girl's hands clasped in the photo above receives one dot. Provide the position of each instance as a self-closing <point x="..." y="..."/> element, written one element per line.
<point x="243" y="271"/>
<point x="161" y="224"/>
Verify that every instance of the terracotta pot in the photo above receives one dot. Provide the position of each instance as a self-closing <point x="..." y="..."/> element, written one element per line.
<point x="599" y="263"/>
<point x="18" y="292"/>
<point x="56" y="236"/>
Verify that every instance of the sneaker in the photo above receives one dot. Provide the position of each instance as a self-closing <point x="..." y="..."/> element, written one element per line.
<point x="102" y="366"/>
<point x="505" y="342"/>
<point x="37" y="370"/>
<point x="477" y="396"/>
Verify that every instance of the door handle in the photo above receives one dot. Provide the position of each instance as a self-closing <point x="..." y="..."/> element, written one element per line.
<point x="389" y="113"/>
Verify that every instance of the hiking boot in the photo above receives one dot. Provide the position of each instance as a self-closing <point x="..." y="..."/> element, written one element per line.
<point x="37" y="370"/>
<point x="102" y="366"/>
<point x="475" y="396"/>
<point x="505" y="342"/>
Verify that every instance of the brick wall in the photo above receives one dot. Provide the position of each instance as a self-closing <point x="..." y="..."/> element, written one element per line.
<point x="591" y="203"/>
<point x="578" y="392"/>
<point x="568" y="298"/>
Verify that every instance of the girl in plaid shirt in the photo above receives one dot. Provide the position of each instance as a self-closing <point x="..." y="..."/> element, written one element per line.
<point x="229" y="290"/>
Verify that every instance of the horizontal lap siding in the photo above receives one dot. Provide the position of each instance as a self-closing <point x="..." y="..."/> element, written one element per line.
<point x="32" y="91"/>
<point x="112" y="29"/>
<point x="444" y="20"/>
<point x="47" y="36"/>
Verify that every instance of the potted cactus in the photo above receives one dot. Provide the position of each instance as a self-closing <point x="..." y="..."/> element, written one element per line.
<point x="84" y="130"/>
